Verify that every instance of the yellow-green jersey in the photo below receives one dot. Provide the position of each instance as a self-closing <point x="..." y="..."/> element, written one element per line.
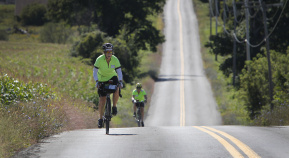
<point x="139" y="96"/>
<point x="106" y="71"/>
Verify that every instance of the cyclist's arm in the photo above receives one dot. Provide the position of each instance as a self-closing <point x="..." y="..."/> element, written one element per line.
<point x="146" y="98"/>
<point x="119" y="73"/>
<point x="95" y="70"/>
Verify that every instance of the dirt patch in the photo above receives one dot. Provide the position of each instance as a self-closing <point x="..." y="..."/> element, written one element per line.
<point x="78" y="118"/>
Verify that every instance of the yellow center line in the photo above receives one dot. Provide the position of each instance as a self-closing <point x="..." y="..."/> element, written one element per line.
<point x="246" y="149"/>
<point x="233" y="151"/>
<point x="182" y="96"/>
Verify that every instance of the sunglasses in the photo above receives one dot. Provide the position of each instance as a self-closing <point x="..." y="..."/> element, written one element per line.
<point x="108" y="52"/>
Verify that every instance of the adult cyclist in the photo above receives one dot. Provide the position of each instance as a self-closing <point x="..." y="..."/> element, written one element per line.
<point x="107" y="67"/>
<point x="140" y="95"/>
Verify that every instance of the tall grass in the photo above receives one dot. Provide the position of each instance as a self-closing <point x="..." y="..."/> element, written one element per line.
<point x="50" y="64"/>
<point x="27" y="113"/>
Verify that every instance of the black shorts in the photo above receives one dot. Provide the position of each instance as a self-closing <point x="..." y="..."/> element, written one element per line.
<point x="100" y="91"/>
<point x="141" y="104"/>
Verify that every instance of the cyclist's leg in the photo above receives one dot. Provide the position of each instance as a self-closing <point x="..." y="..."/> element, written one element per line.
<point x="142" y="111"/>
<point x="142" y="116"/>
<point x="101" y="103"/>
<point x="134" y="107"/>
<point x="115" y="97"/>
<point x="116" y="93"/>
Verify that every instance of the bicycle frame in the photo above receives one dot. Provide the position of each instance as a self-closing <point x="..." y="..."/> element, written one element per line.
<point x="138" y="113"/>
<point x="107" y="113"/>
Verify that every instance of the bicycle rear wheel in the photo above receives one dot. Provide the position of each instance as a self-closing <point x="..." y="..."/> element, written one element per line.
<point x="107" y="115"/>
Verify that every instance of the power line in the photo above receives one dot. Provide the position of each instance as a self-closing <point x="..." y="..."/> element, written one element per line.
<point x="265" y="38"/>
<point x="239" y="21"/>
<point x="235" y="13"/>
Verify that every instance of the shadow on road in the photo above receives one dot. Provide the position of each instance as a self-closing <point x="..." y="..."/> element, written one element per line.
<point x="163" y="78"/>
<point x="122" y="134"/>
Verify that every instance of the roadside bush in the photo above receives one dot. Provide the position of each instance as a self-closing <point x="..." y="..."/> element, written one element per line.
<point x="55" y="33"/>
<point x="90" y="45"/>
<point x="13" y="91"/>
<point x="3" y="35"/>
<point x="33" y="14"/>
<point x="276" y="117"/>
<point x="27" y="114"/>
<point x="255" y="86"/>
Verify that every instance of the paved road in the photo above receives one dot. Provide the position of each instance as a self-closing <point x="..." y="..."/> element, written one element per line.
<point x="183" y="120"/>
<point x="182" y="95"/>
<point x="166" y="142"/>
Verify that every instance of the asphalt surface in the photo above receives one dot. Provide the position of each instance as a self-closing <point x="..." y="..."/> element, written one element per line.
<point x="166" y="142"/>
<point x="182" y="121"/>
<point x="199" y="103"/>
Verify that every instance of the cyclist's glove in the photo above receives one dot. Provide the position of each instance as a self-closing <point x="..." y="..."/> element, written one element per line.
<point x="96" y="85"/>
<point x="121" y="85"/>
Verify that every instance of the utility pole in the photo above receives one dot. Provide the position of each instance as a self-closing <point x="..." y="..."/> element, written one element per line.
<point x="234" y="54"/>
<point x="234" y="49"/>
<point x="247" y="30"/>
<point x="216" y="17"/>
<point x="210" y="3"/>
<point x="264" y="9"/>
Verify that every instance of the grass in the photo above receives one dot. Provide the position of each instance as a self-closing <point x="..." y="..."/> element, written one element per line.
<point x="25" y="59"/>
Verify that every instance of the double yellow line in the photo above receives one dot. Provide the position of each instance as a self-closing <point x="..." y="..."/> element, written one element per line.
<point x="233" y="151"/>
<point x="182" y="84"/>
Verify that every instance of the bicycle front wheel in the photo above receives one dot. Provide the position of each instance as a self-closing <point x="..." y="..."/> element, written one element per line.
<point x="139" y="117"/>
<point x="107" y="126"/>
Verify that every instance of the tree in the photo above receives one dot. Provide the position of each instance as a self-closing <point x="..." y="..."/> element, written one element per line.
<point x="73" y="12"/>
<point x="279" y="37"/>
<point x="90" y="47"/>
<point x="111" y="16"/>
<point x="33" y="14"/>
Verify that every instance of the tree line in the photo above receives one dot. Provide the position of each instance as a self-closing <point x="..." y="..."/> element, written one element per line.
<point x="125" y="23"/>
<point x="252" y="80"/>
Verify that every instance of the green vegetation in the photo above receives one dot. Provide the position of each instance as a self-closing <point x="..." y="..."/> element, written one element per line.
<point x="55" y="33"/>
<point x="6" y="16"/>
<point x="26" y="114"/>
<point x="33" y="14"/>
<point x="130" y="18"/>
<point x="49" y="89"/>
<point x="247" y="102"/>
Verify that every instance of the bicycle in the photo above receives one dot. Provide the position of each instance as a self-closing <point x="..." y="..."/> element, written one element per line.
<point x="108" y="88"/>
<point x="138" y="112"/>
